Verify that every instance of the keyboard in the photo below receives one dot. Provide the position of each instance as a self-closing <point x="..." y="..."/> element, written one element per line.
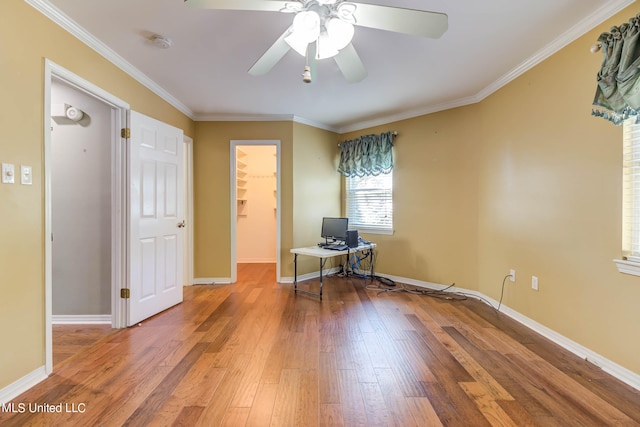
<point x="336" y="247"/>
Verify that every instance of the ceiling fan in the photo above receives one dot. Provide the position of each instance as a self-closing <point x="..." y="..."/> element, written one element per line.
<point x="324" y="29"/>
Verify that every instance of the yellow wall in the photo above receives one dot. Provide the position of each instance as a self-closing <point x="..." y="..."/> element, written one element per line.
<point x="526" y="180"/>
<point x="26" y="39"/>
<point x="434" y="198"/>
<point x="550" y="193"/>
<point x="212" y="189"/>
<point x="316" y="189"/>
<point x="307" y="172"/>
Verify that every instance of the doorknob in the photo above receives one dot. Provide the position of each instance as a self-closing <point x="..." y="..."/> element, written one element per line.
<point x="181" y="224"/>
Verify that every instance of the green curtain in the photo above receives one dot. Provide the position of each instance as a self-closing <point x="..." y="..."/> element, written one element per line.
<point x="367" y="155"/>
<point x="618" y="92"/>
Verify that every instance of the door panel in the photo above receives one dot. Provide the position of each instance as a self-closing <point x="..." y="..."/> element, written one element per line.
<point x="156" y="200"/>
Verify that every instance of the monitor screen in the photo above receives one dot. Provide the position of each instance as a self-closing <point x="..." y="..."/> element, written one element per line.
<point x="335" y="228"/>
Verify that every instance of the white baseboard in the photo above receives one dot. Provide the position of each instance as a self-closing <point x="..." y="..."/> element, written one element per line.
<point x="212" y="280"/>
<point x="257" y="261"/>
<point x="21" y="385"/>
<point x="623" y="374"/>
<point x="89" y="319"/>
<point x="612" y="368"/>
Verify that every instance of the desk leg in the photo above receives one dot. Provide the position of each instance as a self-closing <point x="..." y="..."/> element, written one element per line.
<point x="295" y="272"/>
<point x="372" y="264"/>
<point x="295" y="277"/>
<point x="321" y="267"/>
<point x="347" y="267"/>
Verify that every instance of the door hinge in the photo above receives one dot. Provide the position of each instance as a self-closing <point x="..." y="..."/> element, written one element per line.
<point x="125" y="132"/>
<point x="125" y="293"/>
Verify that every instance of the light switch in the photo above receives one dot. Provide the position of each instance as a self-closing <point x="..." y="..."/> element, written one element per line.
<point x="8" y="173"/>
<point x="25" y="175"/>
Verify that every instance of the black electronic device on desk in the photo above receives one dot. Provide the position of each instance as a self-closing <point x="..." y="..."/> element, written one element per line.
<point x="344" y="242"/>
<point x="334" y="229"/>
<point x="337" y="247"/>
<point x="352" y="239"/>
<point x="334" y="232"/>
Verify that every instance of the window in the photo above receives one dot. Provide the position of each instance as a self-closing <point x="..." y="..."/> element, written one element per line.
<point x="631" y="191"/>
<point x="630" y="264"/>
<point x="369" y="203"/>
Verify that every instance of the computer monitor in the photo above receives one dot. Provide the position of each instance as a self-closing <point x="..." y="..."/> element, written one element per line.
<point x="334" y="228"/>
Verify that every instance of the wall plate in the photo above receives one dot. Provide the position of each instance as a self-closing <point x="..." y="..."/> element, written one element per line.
<point x="26" y="177"/>
<point x="8" y="173"/>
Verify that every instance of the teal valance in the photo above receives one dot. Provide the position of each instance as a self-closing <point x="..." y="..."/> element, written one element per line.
<point x="367" y="155"/>
<point x="618" y="92"/>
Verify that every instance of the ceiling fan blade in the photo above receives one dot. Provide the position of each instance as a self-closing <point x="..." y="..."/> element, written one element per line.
<point x="350" y="64"/>
<point x="271" y="57"/>
<point x="263" y="5"/>
<point x="399" y="20"/>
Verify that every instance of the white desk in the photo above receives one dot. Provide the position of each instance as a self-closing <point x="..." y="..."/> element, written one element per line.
<point x="323" y="254"/>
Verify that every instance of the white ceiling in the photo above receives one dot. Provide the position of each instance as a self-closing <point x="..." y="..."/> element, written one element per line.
<point x="204" y="73"/>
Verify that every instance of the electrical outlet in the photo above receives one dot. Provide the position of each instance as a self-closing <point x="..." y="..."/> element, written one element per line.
<point x="534" y="283"/>
<point x="512" y="273"/>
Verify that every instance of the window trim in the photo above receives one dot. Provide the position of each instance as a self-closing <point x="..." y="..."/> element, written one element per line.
<point x="368" y="228"/>
<point x="373" y="230"/>
<point x="627" y="267"/>
<point x="630" y="262"/>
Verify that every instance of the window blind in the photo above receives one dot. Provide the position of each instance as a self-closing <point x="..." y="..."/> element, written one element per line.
<point x="631" y="191"/>
<point x="369" y="202"/>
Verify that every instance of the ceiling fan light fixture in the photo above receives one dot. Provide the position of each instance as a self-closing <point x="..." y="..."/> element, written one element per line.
<point x="305" y="29"/>
<point x="339" y="32"/>
<point x="345" y="12"/>
<point x="306" y="26"/>
<point x="325" y="47"/>
<point x="296" y="43"/>
<point x="292" y="8"/>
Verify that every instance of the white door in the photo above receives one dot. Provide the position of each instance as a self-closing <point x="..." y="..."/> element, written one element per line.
<point x="156" y="217"/>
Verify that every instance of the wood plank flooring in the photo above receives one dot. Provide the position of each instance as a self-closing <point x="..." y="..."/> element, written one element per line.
<point x="256" y="354"/>
<point x="72" y="340"/>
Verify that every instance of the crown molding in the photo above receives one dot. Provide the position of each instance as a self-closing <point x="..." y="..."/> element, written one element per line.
<point x="222" y="117"/>
<point x="58" y="17"/>
<point x="410" y="114"/>
<point x="603" y="13"/>
<point x="228" y="117"/>
<point x="315" y="124"/>
<point x="572" y="34"/>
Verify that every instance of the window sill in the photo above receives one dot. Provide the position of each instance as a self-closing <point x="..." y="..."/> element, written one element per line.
<point x="365" y="230"/>
<point x="628" y="267"/>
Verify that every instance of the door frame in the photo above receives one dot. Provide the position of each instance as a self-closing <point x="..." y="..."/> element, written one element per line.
<point x="118" y="198"/>
<point x="233" y="201"/>
<point x="187" y="272"/>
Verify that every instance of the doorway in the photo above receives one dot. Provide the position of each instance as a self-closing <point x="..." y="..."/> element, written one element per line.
<point x="81" y="206"/>
<point x="115" y="209"/>
<point x="255" y="203"/>
<point x="105" y="115"/>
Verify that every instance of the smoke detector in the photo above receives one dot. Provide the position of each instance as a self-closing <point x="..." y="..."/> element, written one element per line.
<point x="161" y="41"/>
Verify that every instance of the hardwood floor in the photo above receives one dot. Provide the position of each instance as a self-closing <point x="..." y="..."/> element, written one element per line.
<point x="72" y="340"/>
<point x="256" y="354"/>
